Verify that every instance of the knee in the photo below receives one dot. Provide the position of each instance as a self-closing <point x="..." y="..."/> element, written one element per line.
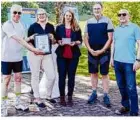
<point x="132" y="90"/>
<point x="6" y="80"/>
<point x="105" y="77"/>
<point x="95" y="75"/>
<point x="18" y="78"/>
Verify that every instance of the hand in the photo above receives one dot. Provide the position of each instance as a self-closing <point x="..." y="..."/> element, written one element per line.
<point x="60" y="43"/>
<point x="92" y="52"/>
<point x="112" y="62"/>
<point x="51" y="36"/>
<point x="72" y="44"/>
<point x="136" y="66"/>
<point x="32" y="36"/>
<point x="98" y="52"/>
<point x="38" y="52"/>
<point x="77" y="42"/>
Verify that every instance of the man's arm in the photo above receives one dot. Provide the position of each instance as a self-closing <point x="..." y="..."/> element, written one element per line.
<point x="87" y="43"/>
<point x="25" y="44"/>
<point x="106" y="46"/>
<point x="112" y="54"/>
<point x="136" y="65"/>
<point x="138" y="53"/>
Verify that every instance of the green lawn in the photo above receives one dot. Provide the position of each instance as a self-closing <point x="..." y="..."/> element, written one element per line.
<point x="83" y="67"/>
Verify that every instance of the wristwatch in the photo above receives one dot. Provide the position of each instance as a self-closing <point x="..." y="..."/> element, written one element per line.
<point x="138" y="60"/>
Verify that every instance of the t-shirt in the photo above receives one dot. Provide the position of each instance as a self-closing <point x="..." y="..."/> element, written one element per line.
<point x="11" y="49"/>
<point x="125" y="37"/>
<point x="98" y="31"/>
<point x="67" y="48"/>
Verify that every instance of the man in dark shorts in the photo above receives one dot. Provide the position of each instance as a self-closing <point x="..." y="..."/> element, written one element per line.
<point x="98" y="38"/>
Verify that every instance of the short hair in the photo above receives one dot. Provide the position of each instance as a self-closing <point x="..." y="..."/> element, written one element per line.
<point x="41" y="10"/>
<point x="16" y="7"/>
<point x="99" y="4"/>
<point x="124" y="10"/>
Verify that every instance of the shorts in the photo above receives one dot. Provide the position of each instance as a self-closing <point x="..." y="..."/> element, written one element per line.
<point x="101" y="61"/>
<point x="8" y="67"/>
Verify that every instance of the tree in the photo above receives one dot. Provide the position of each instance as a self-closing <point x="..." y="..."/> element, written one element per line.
<point x="112" y="8"/>
<point x="5" y="6"/>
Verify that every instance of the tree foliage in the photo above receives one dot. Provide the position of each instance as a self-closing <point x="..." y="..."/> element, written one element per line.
<point x="5" y="5"/>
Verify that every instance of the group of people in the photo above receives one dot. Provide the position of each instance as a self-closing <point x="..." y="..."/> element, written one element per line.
<point x="99" y="34"/>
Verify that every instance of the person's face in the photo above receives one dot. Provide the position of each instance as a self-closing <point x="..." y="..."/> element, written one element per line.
<point x="97" y="10"/>
<point x="16" y="15"/>
<point x="42" y="17"/>
<point x="68" y="17"/>
<point x="123" y="17"/>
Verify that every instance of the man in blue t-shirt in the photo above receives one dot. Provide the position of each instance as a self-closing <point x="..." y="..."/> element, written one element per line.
<point x="125" y="61"/>
<point x="98" y="38"/>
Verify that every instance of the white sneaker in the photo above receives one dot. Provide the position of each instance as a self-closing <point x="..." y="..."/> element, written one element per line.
<point x="4" y="110"/>
<point x="22" y="107"/>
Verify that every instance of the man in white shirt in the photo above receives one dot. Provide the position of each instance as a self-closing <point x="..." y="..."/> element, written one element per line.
<point x="12" y="42"/>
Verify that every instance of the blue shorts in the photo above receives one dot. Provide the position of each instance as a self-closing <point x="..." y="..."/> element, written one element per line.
<point x="101" y="61"/>
<point x="8" y="67"/>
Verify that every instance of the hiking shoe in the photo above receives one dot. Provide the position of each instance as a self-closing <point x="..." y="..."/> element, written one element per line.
<point x="92" y="98"/>
<point x="106" y="101"/>
<point x="133" y="114"/>
<point x="51" y="100"/>
<point x="22" y="107"/>
<point x="122" y="111"/>
<point x="42" y="105"/>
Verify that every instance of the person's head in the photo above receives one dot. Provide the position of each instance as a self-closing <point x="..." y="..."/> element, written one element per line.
<point x="69" y="17"/>
<point x="42" y="15"/>
<point x="16" y="11"/>
<point x="97" y="9"/>
<point x="123" y="16"/>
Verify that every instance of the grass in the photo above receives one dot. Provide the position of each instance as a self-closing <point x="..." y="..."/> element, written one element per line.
<point x="83" y="67"/>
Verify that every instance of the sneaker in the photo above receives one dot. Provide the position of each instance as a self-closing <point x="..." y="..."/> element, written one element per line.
<point x="51" y="100"/>
<point x="4" y="110"/>
<point x="133" y="114"/>
<point x="123" y="110"/>
<point x="22" y="107"/>
<point x="92" y="98"/>
<point x="106" y="101"/>
<point x="41" y="104"/>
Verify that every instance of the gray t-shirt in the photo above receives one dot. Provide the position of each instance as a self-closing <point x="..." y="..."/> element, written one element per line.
<point x="11" y="49"/>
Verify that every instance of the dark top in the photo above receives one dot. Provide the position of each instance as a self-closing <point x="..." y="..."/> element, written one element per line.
<point x="36" y="28"/>
<point x="75" y="35"/>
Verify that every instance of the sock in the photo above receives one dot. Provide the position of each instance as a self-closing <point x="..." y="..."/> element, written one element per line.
<point x="17" y="101"/>
<point x="105" y="94"/>
<point x="94" y="91"/>
<point x="17" y="87"/>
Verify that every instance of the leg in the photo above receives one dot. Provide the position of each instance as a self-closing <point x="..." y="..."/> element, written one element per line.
<point x="34" y="63"/>
<point x="6" y="69"/>
<point x="48" y="66"/>
<point x="94" y="80"/>
<point x="93" y="69"/>
<point x="121" y="81"/>
<point x="62" y="63"/>
<point x="130" y="76"/>
<point x="73" y="63"/>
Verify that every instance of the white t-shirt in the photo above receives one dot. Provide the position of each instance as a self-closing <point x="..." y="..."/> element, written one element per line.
<point x="11" y="49"/>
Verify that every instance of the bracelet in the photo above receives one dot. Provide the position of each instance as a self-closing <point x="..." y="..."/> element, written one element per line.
<point x="138" y="60"/>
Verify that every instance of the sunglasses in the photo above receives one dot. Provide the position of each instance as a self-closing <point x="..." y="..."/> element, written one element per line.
<point x="123" y="14"/>
<point x="15" y="12"/>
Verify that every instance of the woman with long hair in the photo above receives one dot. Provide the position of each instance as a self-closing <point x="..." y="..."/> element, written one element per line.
<point x="68" y="54"/>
